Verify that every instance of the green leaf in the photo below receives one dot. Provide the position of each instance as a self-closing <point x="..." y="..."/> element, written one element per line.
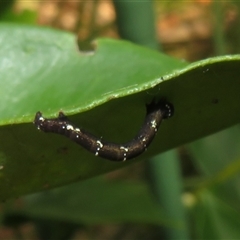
<point x="218" y="158"/>
<point x="104" y="91"/>
<point x="214" y="219"/>
<point x="26" y="16"/>
<point x="97" y="201"/>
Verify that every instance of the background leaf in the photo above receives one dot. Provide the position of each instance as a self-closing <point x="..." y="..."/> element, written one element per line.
<point x="116" y="202"/>
<point x="214" y="219"/>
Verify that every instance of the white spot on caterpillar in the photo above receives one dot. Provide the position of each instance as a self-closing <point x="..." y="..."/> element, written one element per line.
<point x="70" y="127"/>
<point x="63" y="127"/>
<point x="144" y="140"/>
<point x="125" y="153"/>
<point x="169" y="110"/>
<point x="123" y="148"/>
<point x="42" y="119"/>
<point x="100" y="144"/>
<point x="77" y="130"/>
<point x="154" y="125"/>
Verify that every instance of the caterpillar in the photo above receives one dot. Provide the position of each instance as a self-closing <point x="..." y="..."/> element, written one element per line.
<point x="155" y="113"/>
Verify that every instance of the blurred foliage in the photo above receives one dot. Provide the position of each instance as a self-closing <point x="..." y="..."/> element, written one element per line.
<point x="5" y="6"/>
<point x="9" y="13"/>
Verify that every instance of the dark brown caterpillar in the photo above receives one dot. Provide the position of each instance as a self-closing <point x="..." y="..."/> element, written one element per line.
<point x="156" y="112"/>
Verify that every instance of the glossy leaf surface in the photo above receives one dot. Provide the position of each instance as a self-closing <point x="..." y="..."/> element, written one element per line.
<point x="104" y="91"/>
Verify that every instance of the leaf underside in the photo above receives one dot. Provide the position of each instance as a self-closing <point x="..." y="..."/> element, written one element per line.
<point x="104" y="91"/>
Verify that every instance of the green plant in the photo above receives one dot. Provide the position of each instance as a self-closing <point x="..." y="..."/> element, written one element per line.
<point x="106" y="91"/>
